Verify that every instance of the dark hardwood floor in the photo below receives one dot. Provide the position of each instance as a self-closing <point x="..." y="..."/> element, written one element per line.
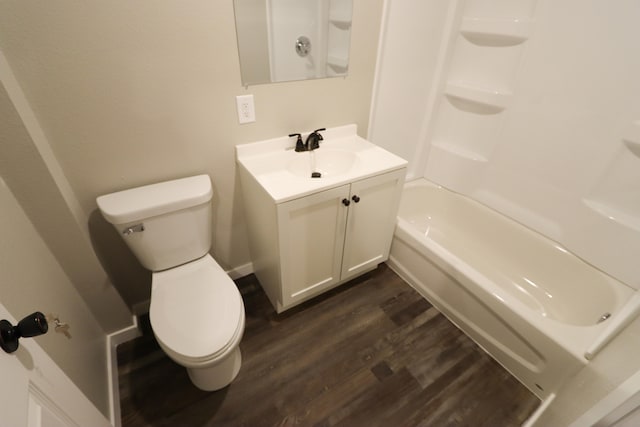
<point x="370" y="353"/>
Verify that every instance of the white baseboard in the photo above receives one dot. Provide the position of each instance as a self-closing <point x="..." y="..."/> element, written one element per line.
<point x="240" y="271"/>
<point x="113" y="340"/>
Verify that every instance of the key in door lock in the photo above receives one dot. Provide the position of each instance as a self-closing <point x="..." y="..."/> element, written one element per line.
<point x="59" y="327"/>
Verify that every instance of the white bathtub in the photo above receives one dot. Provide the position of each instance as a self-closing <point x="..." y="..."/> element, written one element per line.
<point x="531" y="304"/>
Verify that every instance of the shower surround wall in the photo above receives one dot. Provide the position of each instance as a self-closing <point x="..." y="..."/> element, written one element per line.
<point x="288" y="20"/>
<point x="536" y="114"/>
<point x="327" y="24"/>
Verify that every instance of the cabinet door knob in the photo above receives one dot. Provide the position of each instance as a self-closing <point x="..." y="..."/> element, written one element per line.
<point x="346" y="202"/>
<point x="355" y="198"/>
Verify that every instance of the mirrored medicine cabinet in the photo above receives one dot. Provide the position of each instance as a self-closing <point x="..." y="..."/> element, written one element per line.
<point x="284" y="40"/>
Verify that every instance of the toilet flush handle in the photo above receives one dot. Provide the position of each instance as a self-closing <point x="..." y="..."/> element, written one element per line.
<point x="133" y="229"/>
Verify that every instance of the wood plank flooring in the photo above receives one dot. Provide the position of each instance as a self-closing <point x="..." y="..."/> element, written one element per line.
<point x="370" y="353"/>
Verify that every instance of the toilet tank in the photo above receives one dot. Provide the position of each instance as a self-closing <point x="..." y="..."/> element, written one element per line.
<point x="164" y="224"/>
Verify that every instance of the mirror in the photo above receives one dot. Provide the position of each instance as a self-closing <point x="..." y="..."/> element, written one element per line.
<point x="284" y="40"/>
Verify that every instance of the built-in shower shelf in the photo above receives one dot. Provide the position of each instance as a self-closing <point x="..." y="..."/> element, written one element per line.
<point x="338" y="63"/>
<point x="631" y="138"/>
<point x="475" y="99"/>
<point x="624" y="218"/>
<point x="458" y="151"/>
<point x="340" y="20"/>
<point x="496" y="32"/>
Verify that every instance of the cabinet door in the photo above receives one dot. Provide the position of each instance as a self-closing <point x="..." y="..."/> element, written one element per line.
<point x="371" y="222"/>
<point x="311" y="236"/>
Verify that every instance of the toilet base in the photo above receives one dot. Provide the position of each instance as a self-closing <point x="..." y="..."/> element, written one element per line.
<point x="219" y="375"/>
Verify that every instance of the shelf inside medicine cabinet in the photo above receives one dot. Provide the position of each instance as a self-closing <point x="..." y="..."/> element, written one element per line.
<point x="496" y="32"/>
<point x="476" y="100"/>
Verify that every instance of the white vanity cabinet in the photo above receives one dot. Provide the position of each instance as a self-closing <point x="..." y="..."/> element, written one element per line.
<point x="307" y="235"/>
<point x="334" y="235"/>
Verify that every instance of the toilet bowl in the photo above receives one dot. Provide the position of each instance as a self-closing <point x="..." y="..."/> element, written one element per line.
<point x="196" y="311"/>
<point x="197" y="317"/>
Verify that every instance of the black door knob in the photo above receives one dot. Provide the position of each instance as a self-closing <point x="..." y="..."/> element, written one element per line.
<point x="346" y="202"/>
<point x="355" y="198"/>
<point x="31" y="326"/>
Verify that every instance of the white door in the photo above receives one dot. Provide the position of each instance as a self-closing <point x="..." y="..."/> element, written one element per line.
<point x="34" y="392"/>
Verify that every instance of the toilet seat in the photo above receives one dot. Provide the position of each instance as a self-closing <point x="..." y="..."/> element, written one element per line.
<point x="196" y="312"/>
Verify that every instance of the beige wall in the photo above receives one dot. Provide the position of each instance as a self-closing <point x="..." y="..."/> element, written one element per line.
<point x="130" y="93"/>
<point x="34" y="176"/>
<point x="27" y="286"/>
<point x="48" y="265"/>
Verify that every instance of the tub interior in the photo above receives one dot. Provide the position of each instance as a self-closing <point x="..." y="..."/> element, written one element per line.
<point x="524" y="264"/>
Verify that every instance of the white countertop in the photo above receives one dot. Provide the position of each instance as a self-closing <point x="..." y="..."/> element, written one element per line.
<point x="268" y="162"/>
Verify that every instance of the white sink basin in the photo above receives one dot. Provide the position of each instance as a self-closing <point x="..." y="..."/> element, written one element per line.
<point x="326" y="162"/>
<point x="343" y="157"/>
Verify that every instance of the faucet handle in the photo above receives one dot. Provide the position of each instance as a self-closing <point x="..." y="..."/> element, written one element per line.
<point x="315" y="138"/>
<point x="320" y="138"/>
<point x="299" y="144"/>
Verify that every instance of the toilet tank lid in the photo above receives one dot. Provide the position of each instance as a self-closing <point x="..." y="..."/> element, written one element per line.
<point x="139" y="203"/>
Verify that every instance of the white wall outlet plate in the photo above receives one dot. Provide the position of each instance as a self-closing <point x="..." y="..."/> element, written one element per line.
<point x="246" y="109"/>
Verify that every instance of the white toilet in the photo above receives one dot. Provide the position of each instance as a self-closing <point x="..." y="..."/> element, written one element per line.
<point x="196" y="312"/>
